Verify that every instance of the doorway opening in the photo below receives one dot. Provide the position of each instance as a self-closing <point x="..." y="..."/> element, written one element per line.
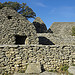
<point x="19" y="40"/>
<point x="9" y="17"/>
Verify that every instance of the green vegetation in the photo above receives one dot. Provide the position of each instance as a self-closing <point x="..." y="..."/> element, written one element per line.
<point x="52" y="70"/>
<point x="73" y="64"/>
<point x="20" y="8"/>
<point x="23" y="70"/>
<point x="73" y="31"/>
<point x="70" y="74"/>
<point x="63" y="67"/>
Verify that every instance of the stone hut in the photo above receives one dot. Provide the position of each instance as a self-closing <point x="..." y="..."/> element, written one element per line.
<point x="62" y="28"/>
<point x="15" y="29"/>
<point x="39" y="25"/>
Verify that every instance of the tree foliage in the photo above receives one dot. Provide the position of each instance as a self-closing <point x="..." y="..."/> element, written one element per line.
<point x="20" y="8"/>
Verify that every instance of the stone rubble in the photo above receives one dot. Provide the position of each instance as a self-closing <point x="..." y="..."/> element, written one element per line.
<point x="71" y="70"/>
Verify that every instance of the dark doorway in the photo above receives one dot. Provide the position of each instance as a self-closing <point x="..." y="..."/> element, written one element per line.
<point x="20" y="39"/>
<point x="9" y="17"/>
<point x="45" y="41"/>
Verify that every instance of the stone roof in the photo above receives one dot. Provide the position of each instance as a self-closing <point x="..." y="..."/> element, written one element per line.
<point x="39" y="25"/>
<point x="62" y="28"/>
<point x="12" y="24"/>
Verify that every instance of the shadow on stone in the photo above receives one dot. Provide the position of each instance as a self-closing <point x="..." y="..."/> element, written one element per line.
<point x="40" y="27"/>
<point x="45" y="41"/>
<point x="42" y="68"/>
<point x="49" y="31"/>
<point x="20" y="39"/>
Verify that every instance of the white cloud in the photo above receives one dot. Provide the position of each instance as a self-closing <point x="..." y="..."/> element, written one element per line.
<point x="40" y="4"/>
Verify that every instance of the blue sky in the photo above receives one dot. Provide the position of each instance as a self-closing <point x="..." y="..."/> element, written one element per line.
<point x="51" y="10"/>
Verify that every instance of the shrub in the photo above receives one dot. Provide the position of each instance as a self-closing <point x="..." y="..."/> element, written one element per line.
<point x="73" y="31"/>
<point x="73" y="64"/>
<point x="64" y="67"/>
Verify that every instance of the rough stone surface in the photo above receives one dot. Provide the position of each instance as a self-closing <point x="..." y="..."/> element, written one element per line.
<point x="56" y="47"/>
<point x="33" y="68"/>
<point x="62" y="28"/>
<point x="71" y="69"/>
<point x="57" y="39"/>
<point x="39" y="25"/>
<point x="43" y="73"/>
<point x="14" y="28"/>
<point x="48" y="73"/>
<point x="24" y="74"/>
<point x="19" y="74"/>
<point x="16" y="58"/>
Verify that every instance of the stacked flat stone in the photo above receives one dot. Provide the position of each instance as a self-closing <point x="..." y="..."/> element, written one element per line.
<point x="15" y="58"/>
<point x="13" y="23"/>
<point x="62" y="28"/>
<point x="57" y="39"/>
<point x="39" y="25"/>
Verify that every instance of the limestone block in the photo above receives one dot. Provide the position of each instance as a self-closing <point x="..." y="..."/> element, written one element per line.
<point x="71" y="69"/>
<point x="33" y="68"/>
<point x="26" y="41"/>
<point x="48" y="73"/>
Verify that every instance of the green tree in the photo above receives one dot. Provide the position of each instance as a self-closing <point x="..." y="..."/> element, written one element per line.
<point x="20" y="8"/>
<point x="73" y="31"/>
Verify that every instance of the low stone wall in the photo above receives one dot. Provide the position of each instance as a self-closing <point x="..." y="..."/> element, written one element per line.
<point x="17" y="57"/>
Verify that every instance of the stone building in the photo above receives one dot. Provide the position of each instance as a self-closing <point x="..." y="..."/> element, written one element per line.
<point x="21" y="43"/>
<point x="39" y="25"/>
<point x="59" y="33"/>
<point x="62" y="28"/>
<point x="15" y="29"/>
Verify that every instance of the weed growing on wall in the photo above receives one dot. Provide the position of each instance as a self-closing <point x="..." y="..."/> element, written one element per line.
<point x="63" y="68"/>
<point x="73" y="64"/>
<point x="73" y="31"/>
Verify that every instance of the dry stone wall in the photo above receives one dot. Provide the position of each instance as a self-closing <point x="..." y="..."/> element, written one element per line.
<point x="15" y="58"/>
<point x="13" y="27"/>
<point x="62" y="28"/>
<point x="51" y="39"/>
